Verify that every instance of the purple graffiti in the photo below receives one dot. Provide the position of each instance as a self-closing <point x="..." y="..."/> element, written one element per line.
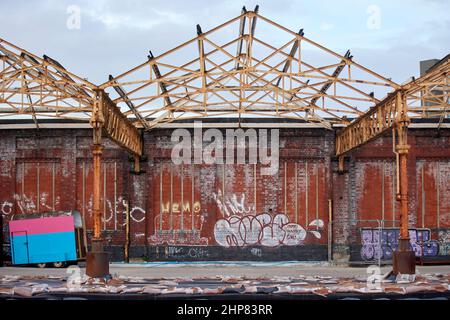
<point x="381" y="243"/>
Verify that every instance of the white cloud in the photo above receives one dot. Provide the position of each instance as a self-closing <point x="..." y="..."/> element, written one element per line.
<point x="325" y="26"/>
<point x="135" y="17"/>
<point x="116" y="35"/>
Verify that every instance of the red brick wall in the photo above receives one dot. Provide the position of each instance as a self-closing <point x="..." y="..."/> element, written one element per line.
<point x="180" y="205"/>
<point x="428" y="161"/>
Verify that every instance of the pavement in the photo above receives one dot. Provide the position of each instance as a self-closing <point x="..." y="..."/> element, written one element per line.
<point x="224" y="268"/>
<point x="268" y="280"/>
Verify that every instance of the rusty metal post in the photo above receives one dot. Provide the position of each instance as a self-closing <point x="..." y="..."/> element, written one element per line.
<point x="1" y="242"/>
<point x="341" y="166"/>
<point x="403" y="258"/>
<point x="97" y="151"/>
<point x="137" y="164"/>
<point x="97" y="262"/>
<point x="127" y="231"/>
<point x="330" y="230"/>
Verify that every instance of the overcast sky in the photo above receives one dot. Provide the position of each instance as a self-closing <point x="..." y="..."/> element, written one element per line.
<point x="113" y="36"/>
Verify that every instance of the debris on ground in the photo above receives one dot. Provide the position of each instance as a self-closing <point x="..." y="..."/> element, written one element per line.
<point x="323" y="286"/>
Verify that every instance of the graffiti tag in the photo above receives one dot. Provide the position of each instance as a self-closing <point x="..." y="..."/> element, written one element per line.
<point x="262" y="229"/>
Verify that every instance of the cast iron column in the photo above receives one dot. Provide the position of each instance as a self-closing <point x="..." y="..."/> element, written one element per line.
<point x="97" y="259"/>
<point x="403" y="258"/>
<point x="97" y="151"/>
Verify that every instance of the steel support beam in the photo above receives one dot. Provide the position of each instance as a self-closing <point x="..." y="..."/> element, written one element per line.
<point x="162" y="85"/>
<point x="288" y="62"/>
<point x="369" y="126"/>
<point x="241" y="34"/>
<point x="63" y="74"/>
<point x="201" y="54"/>
<point x="117" y="126"/>
<point x="123" y="95"/>
<point x="335" y="75"/>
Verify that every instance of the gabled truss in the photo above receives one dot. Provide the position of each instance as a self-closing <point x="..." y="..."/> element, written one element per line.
<point x="248" y="66"/>
<point x="31" y="86"/>
<point x="429" y="96"/>
<point x="426" y="97"/>
<point x="41" y="88"/>
<point x="237" y="70"/>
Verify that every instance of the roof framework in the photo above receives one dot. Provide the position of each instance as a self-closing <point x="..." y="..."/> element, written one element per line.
<point x="235" y="70"/>
<point x="249" y="66"/>
<point x="426" y="97"/>
<point x="40" y="87"/>
<point x="429" y="96"/>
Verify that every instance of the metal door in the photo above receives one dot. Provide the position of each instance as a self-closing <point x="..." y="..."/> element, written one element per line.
<point x="19" y="247"/>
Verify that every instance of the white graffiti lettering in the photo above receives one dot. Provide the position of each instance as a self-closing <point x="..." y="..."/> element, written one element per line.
<point x="232" y="205"/>
<point x="137" y="209"/>
<point x="7" y="208"/>
<point x="262" y="230"/>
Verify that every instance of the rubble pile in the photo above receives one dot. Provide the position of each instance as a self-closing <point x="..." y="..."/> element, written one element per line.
<point x="28" y="286"/>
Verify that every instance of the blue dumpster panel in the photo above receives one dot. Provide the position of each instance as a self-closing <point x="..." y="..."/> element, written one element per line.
<point x="47" y="247"/>
<point x="19" y="247"/>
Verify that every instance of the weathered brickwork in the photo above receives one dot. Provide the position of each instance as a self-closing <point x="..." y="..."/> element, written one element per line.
<point x="229" y="211"/>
